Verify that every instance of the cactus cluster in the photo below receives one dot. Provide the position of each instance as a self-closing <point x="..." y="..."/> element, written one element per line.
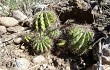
<point x="44" y="19"/>
<point x="80" y="40"/>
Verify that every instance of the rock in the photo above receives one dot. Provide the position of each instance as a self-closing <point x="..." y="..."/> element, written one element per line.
<point x="8" y="39"/>
<point x="45" y="65"/>
<point x="15" y="29"/>
<point x="18" y="40"/>
<point x="22" y="64"/>
<point x="22" y="47"/>
<point x="50" y="61"/>
<point x="1" y="44"/>
<point x="38" y="59"/>
<point x="68" y="68"/>
<point x="2" y="30"/>
<point x="19" y="15"/>
<point x="39" y="7"/>
<point x="51" y="67"/>
<point x="8" y="21"/>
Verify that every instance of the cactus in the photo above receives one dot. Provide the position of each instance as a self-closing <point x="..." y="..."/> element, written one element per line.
<point x="44" y="19"/>
<point x="39" y="42"/>
<point x="80" y="40"/>
<point x="54" y="33"/>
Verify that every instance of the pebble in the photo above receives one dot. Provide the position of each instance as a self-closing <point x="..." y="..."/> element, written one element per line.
<point x="8" y="21"/>
<point x="22" y="47"/>
<point x="18" y="40"/>
<point x="15" y="29"/>
<point x="17" y="14"/>
<point x="21" y="64"/>
<point x="38" y="59"/>
<point x="51" y="67"/>
<point x="68" y="68"/>
<point x="2" y="30"/>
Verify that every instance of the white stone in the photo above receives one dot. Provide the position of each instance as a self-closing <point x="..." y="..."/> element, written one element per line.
<point x="68" y="68"/>
<point x="19" y="15"/>
<point x="2" y="30"/>
<point x="15" y="29"/>
<point x="51" y="67"/>
<point x="22" y="47"/>
<point x="8" y="21"/>
<point x="38" y="59"/>
<point x="18" y="40"/>
<point x="22" y="64"/>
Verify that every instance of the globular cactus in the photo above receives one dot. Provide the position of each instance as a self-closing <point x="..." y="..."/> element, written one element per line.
<point x="54" y="33"/>
<point x="80" y="40"/>
<point x="44" y="19"/>
<point x="39" y="43"/>
<point x="42" y="43"/>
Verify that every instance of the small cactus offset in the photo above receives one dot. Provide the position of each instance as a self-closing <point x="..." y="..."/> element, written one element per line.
<point x="80" y="40"/>
<point x="39" y="42"/>
<point x="54" y="33"/>
<point x="44" y="19"/>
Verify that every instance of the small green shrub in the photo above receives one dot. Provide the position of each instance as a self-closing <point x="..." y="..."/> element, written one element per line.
<point x="80" y="40"/>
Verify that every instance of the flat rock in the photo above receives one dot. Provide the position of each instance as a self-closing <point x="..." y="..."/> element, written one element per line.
<point x="17" y="14"/>
<point x="8" y="21"/>
<point x="22" y="64"/>
<point x="15" y="29"/>
<point x="2" y="30"/>
<point x="38" y="59"/>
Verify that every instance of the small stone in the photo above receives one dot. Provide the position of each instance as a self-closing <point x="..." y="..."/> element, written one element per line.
<point x="1" y="44"/>
<point x="50" y="61"/>
<point x="21" y="64"/>
<point x="19" y="15"/>
<point x="51" y="67"/>
<point x="38" y="59"/>
<point x="68" y="68"/>
<point x="39" y="7"/>
<point x="17" y="40"/>
<point x="15" y="29"/>
<point x="44" y="65"/>
<point x="8" y="21"/>
<point x="22" y="47"/>
<point x="2" y="30"/>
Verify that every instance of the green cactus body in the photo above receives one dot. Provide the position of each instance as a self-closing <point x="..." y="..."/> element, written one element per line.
<point x="54" y="33"/>
<point x="42" y="43"/>
<point x="44" y="19"/>
<point x="80" y="40"/>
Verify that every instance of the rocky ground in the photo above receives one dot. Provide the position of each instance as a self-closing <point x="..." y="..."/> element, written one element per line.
<point x="15" y="55"/>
